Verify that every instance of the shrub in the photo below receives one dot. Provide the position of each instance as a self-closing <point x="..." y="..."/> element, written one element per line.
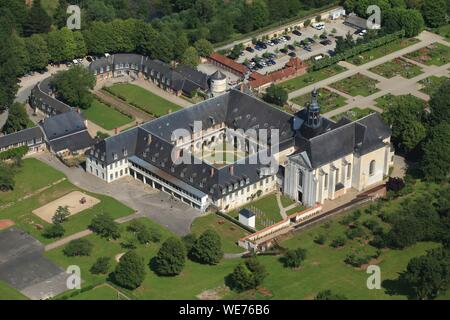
<point x="130" y="271"/>
<point x="171" y="257"/>
<point x="329" y="295"/>
<point x="189" y="241"/>
<point x="208" y="248"/>
<point x="53" y="231"/>
<point x="14" y="153"/>
<point x="338" y="242"/>
<point x="247" y="275"/>
<point x="101" y="266"/>
<point x="371" y="224"/>
<point x="105" y="226"/>
<point x="78" y="247"/>
<point x="294" y="258"/>
<point x="320" y="239"/>
<point x="395" y="184"/>
<point x="357" y="260"/>
<point x="356" y="232"/>
<point x="61" y="215"/>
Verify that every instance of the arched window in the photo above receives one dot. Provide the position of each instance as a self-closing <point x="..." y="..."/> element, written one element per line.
<point x="372" y="167"/>
<point x="300" y="178"/>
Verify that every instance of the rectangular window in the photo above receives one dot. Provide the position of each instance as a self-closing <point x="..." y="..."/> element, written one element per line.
<point x="325" y="182"/>
<point x="111" y="177"/>
<point x="349" y="171"/>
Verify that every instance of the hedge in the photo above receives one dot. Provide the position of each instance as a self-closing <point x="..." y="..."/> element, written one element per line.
<point x="14" y="153"/>
<point x="328" y="61"/>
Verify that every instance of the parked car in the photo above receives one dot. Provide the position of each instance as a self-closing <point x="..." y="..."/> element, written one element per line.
<point x="318" y="57"/>
<point x="288" y="38"/>
<point x="258" y="48"/>
<point x="275" y="41"/>
<point x="331" y="53"/>
<point x="297" y="33"/>
<point x="292" y="54"/>
<point x="325" y="42"/>
<point x="272" y="62"/>
<point x="307" y="48"/>
<point x="311" y="40"/>
<point x="323" y="36"/>
<point x="291" y="47"/>
<point x="284" y="50"/>
<point x="250" y="49"/>
<point x="90" y="58"/>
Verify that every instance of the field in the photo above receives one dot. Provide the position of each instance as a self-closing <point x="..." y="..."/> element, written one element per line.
<point x="311" y="77"/>
<point x="327" y="100"/>
<point x="443" y="31"/>
<point x="353" y="114"/>
<point x="21" y="211"/>
<point x="431" y="84"/>
<point x="356" y="85"/>
<point x="381" y="51"/>
<point x="103" y="292"/>
<point x="105" y="116"/>
<point x="8" y="293"/>
<point x="397" y="67"/>
<point x="434" y="54"/>
<point x="386" y="100"/>
<point x="143" y="99"/>
<point x="229" y="232"/>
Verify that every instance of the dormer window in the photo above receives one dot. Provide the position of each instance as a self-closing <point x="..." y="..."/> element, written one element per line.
<point x="125" y="152"/>
<point x="115" y="156"/>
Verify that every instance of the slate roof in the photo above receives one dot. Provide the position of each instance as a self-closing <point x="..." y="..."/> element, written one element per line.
<point x="247" y="213"/>
<point x="41" y="93"/>
<point x="74" y="142"/>
<point x="21" y="136"/>
<point x="63" y="124"/>
<point x="218" y="75"/>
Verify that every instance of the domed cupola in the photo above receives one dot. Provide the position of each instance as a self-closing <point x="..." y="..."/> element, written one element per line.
<point x="314" y="120"/>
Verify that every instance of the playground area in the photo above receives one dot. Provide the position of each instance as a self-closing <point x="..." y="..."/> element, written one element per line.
<point x="6" y="223"/>
<point x="76" y="202"/>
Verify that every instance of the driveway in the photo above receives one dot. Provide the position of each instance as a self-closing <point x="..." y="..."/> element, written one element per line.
<point x="24" y="268"/>
<point x="146" y="201"/>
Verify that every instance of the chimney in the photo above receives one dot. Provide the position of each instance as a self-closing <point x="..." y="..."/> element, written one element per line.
<point x="212" y="171"/>
<point x="231" y="168"/>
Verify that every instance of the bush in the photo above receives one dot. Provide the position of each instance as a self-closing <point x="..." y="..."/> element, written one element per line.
<point x="101" y="266"/>
<point x="395" y="184"/>
<point x="130" y="271"/>
<point x="171" y="257"/>
<point x="320" y="239"/>
<point x="357" y="260"/>
<point x="294" y="258"/>
<point x="78" y="247"/>
<point x="329" y="295"/>
<point x="247" y="275"/>
<point x="338" y="242"/>
<point x="356" y="232"/>
<point x="208" y="248"/>
<point x="61" y="215"/>
<point x="105" y="226"/>
<point x="371" y="224"/>
<point x="53" y="231"/>
<point x="189" y="241"/>
<point x="14" y="153"/>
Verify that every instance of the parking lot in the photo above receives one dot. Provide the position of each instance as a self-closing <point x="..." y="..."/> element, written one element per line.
<point x="309" y="32"/>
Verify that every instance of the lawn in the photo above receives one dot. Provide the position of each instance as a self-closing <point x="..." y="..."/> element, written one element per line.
<point x="327" y="99"/>
<point x="228" y="231"/>
<point x="311" y="77"/>
<point x="431" y="84"/>
<point x="353" y="114"/>
<point x="8" y="293"/>
<point x="434" y="54"/>
<point x="105" y="116"/>
<point x="443" y="31"/>
<point x="356" y="85"/>
<point x="143" y="99"/>
<point x="27" y="181"/>
<point x="386" y="100"/>
<point x="102" y="292"/>
<point x="381" y="51"/>
<point x="397" y="67"/>
<point x="21" y="212"/>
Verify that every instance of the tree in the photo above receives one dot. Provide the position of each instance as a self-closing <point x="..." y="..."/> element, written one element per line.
<point x="7" y="182"/>
<point x="247" y="275"/>
<point x="440" y="104"/>
<point x="204" y="47"/>
<point x="189" y="241"/>
<point x="294" y="258"/>
<point x="405" y="115"/>
<point x="19" y="50"/>
<point x="37" y="52"/>
<point x="130" y="271"/>
<point x="80" y="49"/>
<point x="181" y="47"/>
<point x="101" y="266"/>
<point x="410" y="20"/>
<point x="38" y="21"/>
<point x="208" y="248"/>
<point x="435" y="164"/>
<point x="17" y="119"/>
<point x="105" y="226"/>
<point x="329" y="295"/>
<point x="190" y="57"/>
<point x="61" y="45"/>
<point x="61" y="215"/>
<point x="73" y="86"/>
<point x="78" y="247"/>
<point x="276" y="94"/>
<point x="429" y="275"/>
<point x="171" y="257"/>
<point x="434" y="12"/>
<point x="53" y="231"/>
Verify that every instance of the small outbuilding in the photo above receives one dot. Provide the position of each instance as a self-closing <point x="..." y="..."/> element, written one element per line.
<point x="247" y="218"/>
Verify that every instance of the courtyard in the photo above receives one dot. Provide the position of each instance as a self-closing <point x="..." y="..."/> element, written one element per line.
<point x="356" y="85"/>
<point x="397" y="67"/>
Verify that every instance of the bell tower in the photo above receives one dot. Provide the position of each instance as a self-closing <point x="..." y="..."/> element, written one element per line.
<point x="314" y="120"/>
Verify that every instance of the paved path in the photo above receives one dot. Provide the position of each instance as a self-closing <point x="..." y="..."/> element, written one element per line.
<point x="146" y="201"/>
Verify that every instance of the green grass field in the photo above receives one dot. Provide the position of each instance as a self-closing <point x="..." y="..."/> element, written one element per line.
<point x="105" y="116"/>
<point x="327" y="100"/>
<point x="229" y="232"/>
<point x="381" y="51"/>
<point x="356" y="85"/>
<point x="143" y="99"/>
<point x="8" y="293"/>
<point x="444" y="31"/>
<point x="311" y="77"/>
<point x="353" y="114"/>
<point x="397" y="67"/>
<point x="103" y="292"/>
<point x="21" y="212"/>
<point x="431" y="84"/>
<point x="434" y="54"/>
<point x="386" y="100"/>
